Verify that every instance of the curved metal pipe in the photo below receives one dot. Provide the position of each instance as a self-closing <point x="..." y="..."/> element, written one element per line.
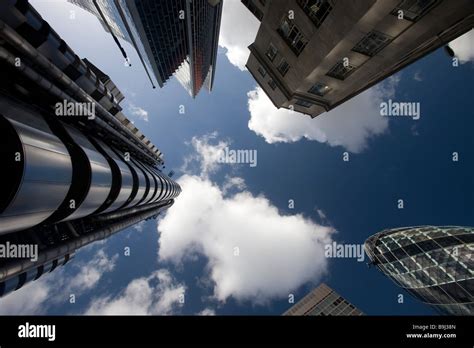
<point x="48" y="85"/>
<point x="129" y="211"/>
<point x="70" y="246"/>
<point x="16" y="40"/>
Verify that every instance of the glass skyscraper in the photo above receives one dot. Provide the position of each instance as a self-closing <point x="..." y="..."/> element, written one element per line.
<point x="434" y="264"/>
<point x="171" y="37"/>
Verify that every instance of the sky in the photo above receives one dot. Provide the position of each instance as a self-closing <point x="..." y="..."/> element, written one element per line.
<point x="242" y="239"/>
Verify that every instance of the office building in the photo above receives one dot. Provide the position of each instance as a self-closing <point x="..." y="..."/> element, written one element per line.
<point x="172" y="37"/>
<point x="74" y="168"/>
<point x="434" y="264"/>
<point x="313" y="55"/>
<point x="323" y="301"/>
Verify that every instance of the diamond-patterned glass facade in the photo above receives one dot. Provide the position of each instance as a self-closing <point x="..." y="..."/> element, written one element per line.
<point x="434" y="264"/>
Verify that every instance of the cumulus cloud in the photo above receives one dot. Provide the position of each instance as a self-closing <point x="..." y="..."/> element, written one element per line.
<point x="90" y="274"/>
<point x="350" y="125"/>
<point x="139" y="112"/>
<point x="254" y="252"/>
<point x="238" y="30"/>
<point x="52" y="288"/>
<point x="205" y="154"/>
<point x="463" y="47"/>
<point x="157" y="294"/>
<point x="28" y="300"/>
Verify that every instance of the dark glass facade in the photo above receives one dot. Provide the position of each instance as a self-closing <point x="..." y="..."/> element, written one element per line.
<point x="434" y="264"/>
<point x="172" y="37"/>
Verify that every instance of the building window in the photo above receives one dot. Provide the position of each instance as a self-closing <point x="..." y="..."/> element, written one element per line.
<point x="262" y="71"/>
<point x="372" y="43"/>
<point x="272" y="84"/>
<point x="283" y="67"/>
<point x="319" y="89"/>
<point x="271" y="52"/>
<point x="303" y="103"/>
<point x="253" y="8"/>
<point x="316" y="10"/>
<point x="292" y="36"/>
<point x="413" y="10"/>
<point x="341" y="71"/>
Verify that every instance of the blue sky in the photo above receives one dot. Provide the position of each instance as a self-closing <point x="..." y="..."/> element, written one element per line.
<point x="188" y="255"/>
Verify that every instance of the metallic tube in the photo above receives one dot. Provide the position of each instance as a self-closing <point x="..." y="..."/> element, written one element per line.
<point x="70" y="246"/>
<point x="46" y="167"/>
<point x="46" y="84"/>
<point x="128" y="211"/>
<point x="16" y="40"/>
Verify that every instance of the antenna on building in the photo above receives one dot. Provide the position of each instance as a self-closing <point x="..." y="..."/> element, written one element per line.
<point x="124" y="54"/>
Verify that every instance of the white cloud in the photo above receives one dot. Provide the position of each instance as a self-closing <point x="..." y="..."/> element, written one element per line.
<point x="206" y="154"/>
<point x="28" y="300"/>
<point x="350" y="125"/>
<point x="238" y="30"/>
<point x="37" y="296"/>
<point x="158" y="294"/>
<point x="207" y="312"/>
<point x="90" y="274"/>
<point x="233" y="182"/>
<point x="139" y="112"/>
<point x="463" y="47"/>
<point x="277" y="253"/>
<point x="139" y="226"/>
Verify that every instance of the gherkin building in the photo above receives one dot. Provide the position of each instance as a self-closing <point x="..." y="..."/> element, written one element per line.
<point x="433" y="263"/>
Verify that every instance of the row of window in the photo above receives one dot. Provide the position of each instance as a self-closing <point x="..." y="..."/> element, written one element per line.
<point x="316" y="10"/>
<point x="253" y="8"/>
<point x="263" y="73"/>
<point x="412" y="10"/>
<point x="370" y="45"/>
<point x="283" y="65"/>
<point x="292" y="35"/>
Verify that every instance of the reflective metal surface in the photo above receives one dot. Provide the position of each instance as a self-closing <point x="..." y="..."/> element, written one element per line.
<point x="126" y="179"/>
<point x="153" y="184"/>
<point x="46" y="168"/>
<point x="100" y="173"/>
<point x="140" y="182"/>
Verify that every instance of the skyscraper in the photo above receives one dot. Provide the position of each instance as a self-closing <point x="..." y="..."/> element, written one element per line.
<point x="173" y="37"/>
<point x="313" y="55"/>
<point x="323" y="301"/>
<point x="75" y="169"/>
<point x="434" y="264"/>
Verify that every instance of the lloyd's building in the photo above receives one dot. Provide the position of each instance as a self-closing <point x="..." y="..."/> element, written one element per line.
<point x="67" y="181"/>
